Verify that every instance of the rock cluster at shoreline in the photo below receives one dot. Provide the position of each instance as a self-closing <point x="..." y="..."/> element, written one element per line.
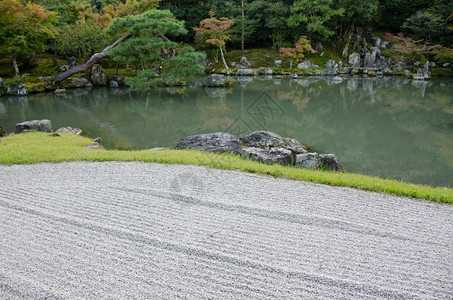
<point x="263" y="146"/>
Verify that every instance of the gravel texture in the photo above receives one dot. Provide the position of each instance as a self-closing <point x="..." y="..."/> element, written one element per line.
<point x="148" y="231"/>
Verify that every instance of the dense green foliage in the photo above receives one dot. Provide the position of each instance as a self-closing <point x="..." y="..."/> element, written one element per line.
<point x="24" y="29"/>
<point x="82" y="24"/>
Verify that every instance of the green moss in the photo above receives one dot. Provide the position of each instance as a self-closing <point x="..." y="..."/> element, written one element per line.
<point x="441" y="72"/>
<point x="38" y="147"/>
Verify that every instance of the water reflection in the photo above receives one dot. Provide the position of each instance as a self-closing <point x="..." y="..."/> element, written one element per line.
<point x="384" y="126"/>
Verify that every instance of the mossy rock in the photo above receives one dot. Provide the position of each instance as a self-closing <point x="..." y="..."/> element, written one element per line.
<point x="39" y="87"/>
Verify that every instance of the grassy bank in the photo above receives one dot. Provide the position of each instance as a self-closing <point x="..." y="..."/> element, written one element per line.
<point x="38" y="147"/>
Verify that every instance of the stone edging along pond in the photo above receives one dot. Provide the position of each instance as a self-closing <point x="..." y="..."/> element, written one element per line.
<point x="333" y="71"/>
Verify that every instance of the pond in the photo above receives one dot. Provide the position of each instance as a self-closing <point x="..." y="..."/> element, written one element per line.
<point x="389" y="127"/>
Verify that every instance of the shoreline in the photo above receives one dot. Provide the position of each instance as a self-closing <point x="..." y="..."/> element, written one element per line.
<point x="48" y="87"/>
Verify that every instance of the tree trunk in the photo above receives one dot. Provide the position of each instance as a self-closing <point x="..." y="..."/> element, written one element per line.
<point x="14" y="61"/>
<point x="117" y="66"/>
<point x="55" y="63"/>
<point x="127" y="66"/>
<point x="143" y="65"/>
<point x="290" y="64"/>
<point x="90" y="62"/>
<point x="223" y="59"/>
<point x="242" y="31"/>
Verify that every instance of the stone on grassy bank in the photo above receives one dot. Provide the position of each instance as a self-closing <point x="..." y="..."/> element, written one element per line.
<point x="267" y="140"/>
<point x="318" y="161"/>
<point x="275" y="155"/>
<point x="212" y="142"/>
<point x="263" y="146"/>
<point x="34" y="125"/>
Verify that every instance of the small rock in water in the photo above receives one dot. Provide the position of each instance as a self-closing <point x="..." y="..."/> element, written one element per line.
<point x="54" y="134"/>
<point x="60" y="91"/>
<point x="113" y="84"/>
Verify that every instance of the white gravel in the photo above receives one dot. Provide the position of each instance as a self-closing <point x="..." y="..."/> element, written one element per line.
<point x="148" y="231"/>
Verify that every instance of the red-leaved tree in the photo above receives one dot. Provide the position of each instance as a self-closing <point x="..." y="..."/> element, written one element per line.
<point x="213" y="31"/>
<point x="301" y="46"/>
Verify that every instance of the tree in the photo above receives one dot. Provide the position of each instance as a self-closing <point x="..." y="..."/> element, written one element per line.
<point x="268" y="21"/>
<point x="174" y="71"/>
<point x="356" y="13"/>
<point x="149" y="42"/>
<point x="82" y="38"/>
<point x="144" y="40"/>
<point x="301" y="46"/>
<point x="215" y="32"/>
<point x="150" y="46"/>
<point x="314" y="16"/>
<point x="24" y="29"/>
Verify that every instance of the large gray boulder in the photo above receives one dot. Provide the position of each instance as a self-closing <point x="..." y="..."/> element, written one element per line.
<point x="370" y="58"/>
<point x="275" y="155"/>
<point x="97" y="76"/>
<point x="243" y="63"/>
<point x="267" y="140"/>
<point x="215" y="80"/>
<point x="354" y="60"/>
<point x="211" y="142"/>
<point x="245" y="72"/>
<point x="317" y="161"/>
<point x="308" y="161"/>
<point x="306" y="64"/>
<point x="331" y="162"/>
<point x="80" y="82"/>
<point x="17" y="90"/>
<point x="34" y="125"/>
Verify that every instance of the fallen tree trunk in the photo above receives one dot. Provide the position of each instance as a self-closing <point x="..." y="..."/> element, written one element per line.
<point x="91" y="62"/>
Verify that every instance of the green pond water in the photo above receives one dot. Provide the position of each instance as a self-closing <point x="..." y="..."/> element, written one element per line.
<point x="389" y="127"/>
